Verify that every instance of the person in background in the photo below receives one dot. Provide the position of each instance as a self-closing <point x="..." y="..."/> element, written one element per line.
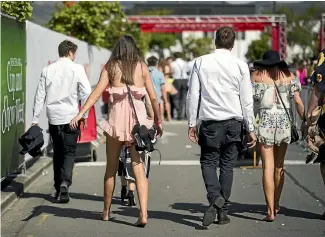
<point x="60" y="86"/>
<point x="164" y="67"/>
<point x="159" y="83"/>
<point x="301" y="73"/>
<point x="179" y="72"/>
<point x="220" y="96"/>
<point x="169" y="60"/>
<point x="273" y="127"/>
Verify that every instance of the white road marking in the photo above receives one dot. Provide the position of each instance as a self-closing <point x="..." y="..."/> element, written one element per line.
<point x="164" y="137"/>
<point x="179" y="163"/>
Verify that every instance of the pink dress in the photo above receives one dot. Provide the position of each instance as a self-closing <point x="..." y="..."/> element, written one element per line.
<point x="121" y="119"/>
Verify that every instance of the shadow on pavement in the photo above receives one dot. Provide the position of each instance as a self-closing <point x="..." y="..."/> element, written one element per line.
<point x="237" y="209"/>
<point x="296" y="182"/>
<point x="80" y="196"/>
<point x="187" y="220"/>
<point x="64" y="212"/>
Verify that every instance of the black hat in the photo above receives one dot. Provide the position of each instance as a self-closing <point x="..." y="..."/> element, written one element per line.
<point x="270" y="58"/>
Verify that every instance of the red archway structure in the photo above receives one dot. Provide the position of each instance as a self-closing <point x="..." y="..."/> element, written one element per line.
<point x="211" y="23"/>
<point x="322" y="33"/>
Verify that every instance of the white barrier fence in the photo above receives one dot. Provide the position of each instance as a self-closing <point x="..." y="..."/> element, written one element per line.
<point x="42" y="49"/>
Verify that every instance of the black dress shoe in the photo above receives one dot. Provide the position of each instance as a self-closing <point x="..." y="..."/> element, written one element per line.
<point x="223" y="219"/>
<point x="210" y="214"/>
<point x="55" y="195"/>
<point x="64" y="190"/>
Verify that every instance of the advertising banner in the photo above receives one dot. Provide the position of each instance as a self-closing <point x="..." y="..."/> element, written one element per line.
<point x="13" y="92"/>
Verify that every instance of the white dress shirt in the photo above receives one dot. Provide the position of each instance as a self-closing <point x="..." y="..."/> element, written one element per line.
<point x="179" y="69"/>
<point x="221" y="83"/>
<point x="61" y="85"/>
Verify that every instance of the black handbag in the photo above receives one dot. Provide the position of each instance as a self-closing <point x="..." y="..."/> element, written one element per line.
<point x="142" y="135"/>
<point x="294" y="131"/>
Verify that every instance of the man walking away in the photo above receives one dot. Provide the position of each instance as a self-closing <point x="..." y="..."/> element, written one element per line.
<point x="220" y="95"/>
<point x="60" y="86"/>
<point x="158" y="80"/>
<point x="179" y="73"/>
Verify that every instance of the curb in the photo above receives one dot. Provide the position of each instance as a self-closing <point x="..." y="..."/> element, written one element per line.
<point x="21" y="183"/>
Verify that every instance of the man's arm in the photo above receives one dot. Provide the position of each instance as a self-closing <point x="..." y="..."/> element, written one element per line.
<point x="84" y="88"/>
<point x="193" y="96"/>
<point x="39" y="98"/>
<point x="246" y="98"/>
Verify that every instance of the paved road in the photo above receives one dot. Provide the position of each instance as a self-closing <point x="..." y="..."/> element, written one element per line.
<point x="176" y="201"/>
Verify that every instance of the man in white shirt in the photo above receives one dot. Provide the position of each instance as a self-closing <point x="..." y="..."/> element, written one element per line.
<point x="61" y="85"/>
<point x="179" y="73"/>
<point x="220" y="96"/>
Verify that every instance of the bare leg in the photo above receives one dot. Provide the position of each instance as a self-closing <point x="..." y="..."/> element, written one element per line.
<point x="113" y="149"/>
<point x="169" y="117"/>
<point x="141" y="184"/>
<point x="268" y="179"/>
<point x="162" y="110"/>
<point x="131" y="185"/>
<point x="279" y="154"/>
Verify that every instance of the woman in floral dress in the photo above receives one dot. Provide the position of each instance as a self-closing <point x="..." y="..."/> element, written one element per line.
<point x="273" y="127"/>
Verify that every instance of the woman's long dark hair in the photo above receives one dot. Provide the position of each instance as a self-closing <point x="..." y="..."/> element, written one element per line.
<point x="275" y="71"/>
<point x="125" y="55"/>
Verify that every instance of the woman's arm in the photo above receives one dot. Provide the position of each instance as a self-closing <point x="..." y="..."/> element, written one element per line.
<point x="94" y="96"/>
<point x="299" y="105"/>
<point x="151" y="92"/>
<point x="149" y="109"/>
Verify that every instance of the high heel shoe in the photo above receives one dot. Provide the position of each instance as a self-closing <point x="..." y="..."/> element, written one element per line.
<point x="131" y="199"/>
<point x="123" y="194"/>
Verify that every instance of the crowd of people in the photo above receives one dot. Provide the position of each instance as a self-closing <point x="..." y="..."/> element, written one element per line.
<point x="223" y="100"/>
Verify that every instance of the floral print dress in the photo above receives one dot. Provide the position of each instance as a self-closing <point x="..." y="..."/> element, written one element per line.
<point x="272" y="124"/>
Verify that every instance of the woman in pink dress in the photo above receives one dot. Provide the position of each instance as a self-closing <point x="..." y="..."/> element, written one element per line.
<point x="124" y="67"/>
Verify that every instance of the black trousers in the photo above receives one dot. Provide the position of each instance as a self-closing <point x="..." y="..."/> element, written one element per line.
<point x="64" y="152"/>
<point x="180" y="98"/>
<point x="220" y="142"/>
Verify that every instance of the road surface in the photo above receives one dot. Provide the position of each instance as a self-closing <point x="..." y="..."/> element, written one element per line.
<point x="177" y="200"/>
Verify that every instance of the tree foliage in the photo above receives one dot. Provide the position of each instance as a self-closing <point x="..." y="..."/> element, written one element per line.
<point x="258" y="47"/>
<point x="20" y="10"/>
<point x="158" y="40"/>
<point x="300" y="28"/>
<point x="197" y="46"/>
<point x="98" y="23"/>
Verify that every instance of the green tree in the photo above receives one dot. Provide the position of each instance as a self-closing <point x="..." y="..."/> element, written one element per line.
<point x="20" y="10"/>
<point x="197" y="46"/>
<point x="158" y="41"/>
<point x="98" y="23"/>
<point x="300" y="28"/>
<point x="258" y="47"/>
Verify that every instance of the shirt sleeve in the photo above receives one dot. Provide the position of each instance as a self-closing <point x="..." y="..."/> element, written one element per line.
<point x="39" y="97"/>
<point x="193" y="96"/>
<point x="162" y="79"/>
<point x="84" y="87"/>
<point x="246" y="98"/>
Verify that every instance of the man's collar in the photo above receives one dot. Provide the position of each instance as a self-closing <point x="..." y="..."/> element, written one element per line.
<point x="222" y="50"/>
<point x="65" y="59"/>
